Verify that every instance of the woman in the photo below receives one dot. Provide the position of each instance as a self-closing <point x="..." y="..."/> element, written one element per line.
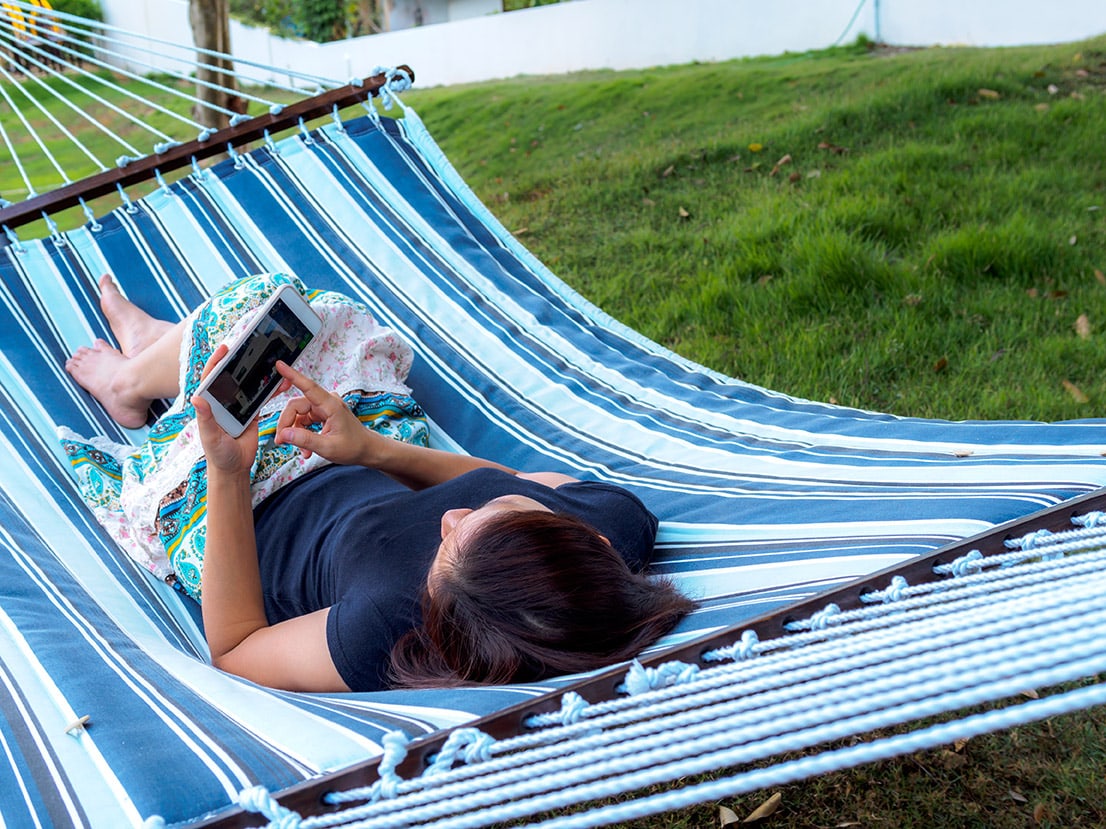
<point x="394" y="564"/>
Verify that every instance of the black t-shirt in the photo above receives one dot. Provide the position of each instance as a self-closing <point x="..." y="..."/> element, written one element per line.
<point x="354" y="540"/>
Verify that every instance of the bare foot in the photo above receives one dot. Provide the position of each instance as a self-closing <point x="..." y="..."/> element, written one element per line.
<point x="133" y="327"/>
<point x="99" y="370"/>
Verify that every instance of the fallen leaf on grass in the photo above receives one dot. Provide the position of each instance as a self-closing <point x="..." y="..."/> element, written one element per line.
<point x="648" y="202"/>
<point x="960" y="744"/>
<point x="833" y="148"/>
<point x="1053" y="89"/>
<point x="1079" y="397"/>
<point x="814" y="174"/>
<point x="1018" y="796"/>
<point x="765" y="809"/>
<point x="727" y="817"/>
<point x="683" y="213"/>
<point x="794" y="177"/>
<point x="669" y="170"/>
<point x="1100" y="276"/>
<point x="941" y="365"/>
<point x="1040" y="812"/>
<point x="1073" y="240"/>
<point x="1083" y="327"/>
<point x="989" y="93"/>
<point x="785" y="160"/>
<point x="755" y="147"/>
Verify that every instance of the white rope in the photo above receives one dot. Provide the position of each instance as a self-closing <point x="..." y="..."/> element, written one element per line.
<point x="80" y="113"/>
<point x="73" y="37"/>
<point x="809" y="650"/>
<point x="11" y="149"/>
<point x="881" y="749"/>
<point x="804" y="700"/>
<point x="976" y="638"/>
<point x="63" y="19"/>
<point x="30" y="130"/>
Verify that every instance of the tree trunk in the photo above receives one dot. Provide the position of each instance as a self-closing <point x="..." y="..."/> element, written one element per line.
<point x="210" y="21"/>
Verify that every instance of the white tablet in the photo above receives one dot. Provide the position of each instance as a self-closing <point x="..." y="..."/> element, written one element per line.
<point x="247" y="377"/>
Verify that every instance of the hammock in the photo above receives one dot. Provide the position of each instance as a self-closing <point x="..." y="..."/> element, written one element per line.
<point x="772" y="509"/>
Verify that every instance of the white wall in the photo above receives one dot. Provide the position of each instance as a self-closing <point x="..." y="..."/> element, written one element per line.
<point x="983" y="23"/>
<point x="627" y="34"/>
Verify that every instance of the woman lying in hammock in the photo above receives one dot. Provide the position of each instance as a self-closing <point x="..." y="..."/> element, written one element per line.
<point x="338" y="552"/>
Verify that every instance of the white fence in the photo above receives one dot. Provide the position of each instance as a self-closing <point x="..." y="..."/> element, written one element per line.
<point x="628" y="34"/>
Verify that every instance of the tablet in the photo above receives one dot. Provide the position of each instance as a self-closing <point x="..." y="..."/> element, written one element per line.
<point x="247" y="377"/>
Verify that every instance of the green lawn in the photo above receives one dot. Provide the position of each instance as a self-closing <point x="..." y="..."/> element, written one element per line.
<point x="920" y="232"/>
<point x="916" y="232"/>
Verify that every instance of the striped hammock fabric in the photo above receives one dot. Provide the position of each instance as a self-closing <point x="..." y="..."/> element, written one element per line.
<point x="764" y="499"/>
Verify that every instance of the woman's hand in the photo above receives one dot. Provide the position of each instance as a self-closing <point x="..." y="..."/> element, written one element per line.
<point x="342" y="439"/>
<point x="233" y="455"/>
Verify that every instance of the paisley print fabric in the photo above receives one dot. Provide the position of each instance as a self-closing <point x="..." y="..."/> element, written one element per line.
<point x="152" y="498"/>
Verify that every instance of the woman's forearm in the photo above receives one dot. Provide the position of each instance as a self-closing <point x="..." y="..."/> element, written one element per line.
<point x="419" y="467"/>
<point x="344" y="439"/>
<point x="233" y="606"/>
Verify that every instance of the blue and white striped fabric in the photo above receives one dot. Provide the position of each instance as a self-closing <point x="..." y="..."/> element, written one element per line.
<point x="764" y="499"/>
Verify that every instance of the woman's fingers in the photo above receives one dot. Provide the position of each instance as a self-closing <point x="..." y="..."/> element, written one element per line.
<point x="311" y="390"/>
<point x="213" y="361"/>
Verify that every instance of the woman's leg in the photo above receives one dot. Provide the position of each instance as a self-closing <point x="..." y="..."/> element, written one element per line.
<point x="145" y="368"/>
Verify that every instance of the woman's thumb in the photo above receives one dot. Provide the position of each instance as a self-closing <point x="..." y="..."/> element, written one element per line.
<point x="303" y="438"/>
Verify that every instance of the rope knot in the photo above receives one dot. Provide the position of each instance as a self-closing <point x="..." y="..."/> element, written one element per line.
<point x="966" y="564"/>
<point x="894" y="591"/>
<point x="747" y="647"/>
<point x="640" y="679"/>
<point x="1090" y="520"/>
<point x="257" y="799"/>
<point x="1029" y="541"/>
<point x="572" y="708"/>
<point x="822" y="618"/>
<point x="470" y="744"/>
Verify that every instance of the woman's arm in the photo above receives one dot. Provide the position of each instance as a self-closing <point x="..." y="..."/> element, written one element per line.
<point x="294" y="654"/>
<point x="343" y="439"/>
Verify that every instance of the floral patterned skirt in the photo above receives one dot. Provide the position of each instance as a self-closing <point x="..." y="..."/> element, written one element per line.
<point x="152" y="498"/>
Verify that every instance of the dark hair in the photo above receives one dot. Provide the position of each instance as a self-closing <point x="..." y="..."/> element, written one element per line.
<point x="532" y="595"/>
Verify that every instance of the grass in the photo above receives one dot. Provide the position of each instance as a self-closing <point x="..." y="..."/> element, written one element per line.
<point x="919" y="232"/>
<point x="928" y="246"/>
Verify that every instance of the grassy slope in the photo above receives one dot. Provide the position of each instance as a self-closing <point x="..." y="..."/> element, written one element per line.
<point x="929" y="249"/>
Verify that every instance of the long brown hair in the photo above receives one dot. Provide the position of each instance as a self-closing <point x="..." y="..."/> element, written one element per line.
<point x="533" y="595"/>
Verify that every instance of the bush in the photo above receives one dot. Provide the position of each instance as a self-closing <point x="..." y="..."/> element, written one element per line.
<point x="88" y="9"/>
<point x="320" y="20"/>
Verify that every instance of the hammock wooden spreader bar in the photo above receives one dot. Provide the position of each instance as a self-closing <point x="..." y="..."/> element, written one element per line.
<point x="308" y="798"/>
<point x="184" y="154"/>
